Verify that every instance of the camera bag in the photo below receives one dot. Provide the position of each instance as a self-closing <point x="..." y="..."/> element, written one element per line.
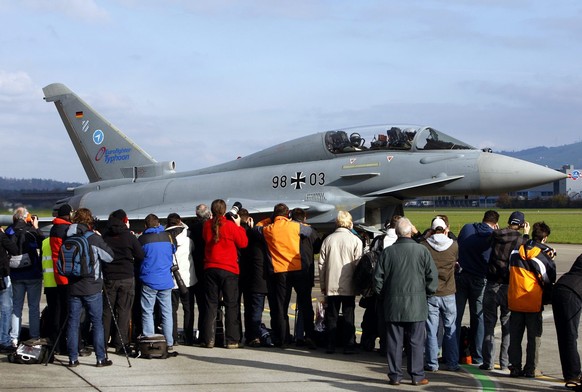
<point x="30" y="352"/>
<point x="154" y="346"/>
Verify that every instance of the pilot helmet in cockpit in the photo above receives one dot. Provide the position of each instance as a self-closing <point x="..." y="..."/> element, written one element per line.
<point x="356" y="140"/>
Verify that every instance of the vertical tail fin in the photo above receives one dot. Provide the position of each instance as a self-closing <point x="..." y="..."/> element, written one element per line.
<point x="105" y="152"/>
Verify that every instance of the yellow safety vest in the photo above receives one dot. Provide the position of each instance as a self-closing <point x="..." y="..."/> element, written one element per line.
<point x="48" y="272"/>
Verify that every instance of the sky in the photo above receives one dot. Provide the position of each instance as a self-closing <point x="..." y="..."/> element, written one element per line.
<point x="203" y="82"/>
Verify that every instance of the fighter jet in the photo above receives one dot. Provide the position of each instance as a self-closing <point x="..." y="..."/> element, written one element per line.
<point x="368" y="171"/>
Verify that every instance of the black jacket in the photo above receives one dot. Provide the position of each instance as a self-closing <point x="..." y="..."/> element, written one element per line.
<point x="7" y="248"/>
<point x="310" y="245"/>
<point x="573" y="278"/>
<point x="252" y="262"/>
<point x="28" y="240"/>
<point x="503" y="242"/>
<point x="126" y="249"/>
<point x="199" y="245"/>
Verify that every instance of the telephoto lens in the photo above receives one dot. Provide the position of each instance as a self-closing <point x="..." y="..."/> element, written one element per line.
<point x="233" y="212"/>
<point x="178" y="278"/>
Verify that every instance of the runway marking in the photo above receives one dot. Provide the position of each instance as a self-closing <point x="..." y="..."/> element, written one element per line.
<point x="487" y="384"/>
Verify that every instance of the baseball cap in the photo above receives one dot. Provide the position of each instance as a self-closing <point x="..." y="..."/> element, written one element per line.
<point x="438" y="223"/>
<point x="64" y="210"/>
<point x="516" y="218"/>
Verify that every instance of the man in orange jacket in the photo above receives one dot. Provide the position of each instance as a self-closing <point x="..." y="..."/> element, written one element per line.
<point x="283" y="238"/>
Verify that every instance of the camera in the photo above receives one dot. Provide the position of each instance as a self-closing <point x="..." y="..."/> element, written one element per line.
<point x="233" y="212"/>
<point x="178" y="278"/>
<point x="550" y="252"/>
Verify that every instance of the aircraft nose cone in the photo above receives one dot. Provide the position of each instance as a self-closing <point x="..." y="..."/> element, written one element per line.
<point x="500" y="173"/>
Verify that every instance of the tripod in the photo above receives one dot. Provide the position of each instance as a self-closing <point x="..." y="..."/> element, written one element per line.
<point x="56" y="343"/>
<point x="63" y="327"/>
<point x="123" y="344"/>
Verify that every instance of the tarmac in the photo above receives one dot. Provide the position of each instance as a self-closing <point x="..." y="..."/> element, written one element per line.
<point x="276" y="369"/>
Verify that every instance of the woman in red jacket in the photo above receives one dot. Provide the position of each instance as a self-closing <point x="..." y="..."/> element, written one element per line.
<point x="222" y="238"/>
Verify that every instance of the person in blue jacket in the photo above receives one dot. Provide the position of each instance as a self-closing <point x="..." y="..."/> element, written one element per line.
<point x="474" y="251"/>
<point x="156" y="277"/>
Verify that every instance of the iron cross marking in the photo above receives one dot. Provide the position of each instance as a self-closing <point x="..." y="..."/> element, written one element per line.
<point x="298" y="180"/>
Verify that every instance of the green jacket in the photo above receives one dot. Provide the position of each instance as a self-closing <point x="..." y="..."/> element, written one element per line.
<point x="405" y="276"/>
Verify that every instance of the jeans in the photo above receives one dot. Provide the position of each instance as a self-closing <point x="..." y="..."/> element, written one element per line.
<point x="442" y="307"/>
<point x="471" y="288"/>
<point x="519" y="322"/>
<point x="495" y="297"/>
<point x="32" y="288"/>
<point x="148" y="301"/>
<point x="6" y="312"/>
<point x="254" y="306"/>
<point x="93" y="304"/>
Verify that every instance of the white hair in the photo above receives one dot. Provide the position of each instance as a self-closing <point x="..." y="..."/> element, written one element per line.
<point x="20" y="213"/>
<point x="404" y="228"/>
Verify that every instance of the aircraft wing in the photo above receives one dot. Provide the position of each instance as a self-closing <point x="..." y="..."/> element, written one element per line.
<point x="262" y="206"/>
<point x="413" y="185"/>
<point x="187" y="210"/>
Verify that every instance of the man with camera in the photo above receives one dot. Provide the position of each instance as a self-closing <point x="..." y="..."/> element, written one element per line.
<point x="119" y="278"/>
<point x="197" y="294"/>
<point x="283" y="238"/>
<point x="184" y="277"/>
<point x="86" y="291"/>
<point x="223" y="237"/>
<point x="156" y="277"/>
<point x="532" y="272"/>
<point x="7" y="249"/>
<point x="26" y="277"/>
<point x="503" y="242"/>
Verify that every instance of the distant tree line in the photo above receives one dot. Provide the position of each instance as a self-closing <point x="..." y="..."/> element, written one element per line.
<point x="33" y="184"/>
<point x="556" y="201"/>
<point x="35" y="193"/>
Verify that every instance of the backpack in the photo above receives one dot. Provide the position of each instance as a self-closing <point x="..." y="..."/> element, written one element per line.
<point x="366" y="267"/>
<point x="32" y="351"/>
<point x="26" y="243"/>
<point x="75" y="258"/>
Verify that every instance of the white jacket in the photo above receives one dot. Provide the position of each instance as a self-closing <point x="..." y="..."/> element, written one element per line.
<point x="184" y="255"/>
<point x="340" y="252"/>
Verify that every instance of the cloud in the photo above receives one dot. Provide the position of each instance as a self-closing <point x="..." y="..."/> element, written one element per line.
<point x="15" y="84"/>
<point x="74" y="9"/>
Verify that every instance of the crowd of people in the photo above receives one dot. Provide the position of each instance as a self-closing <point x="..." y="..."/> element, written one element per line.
<point x="224" y="260"/>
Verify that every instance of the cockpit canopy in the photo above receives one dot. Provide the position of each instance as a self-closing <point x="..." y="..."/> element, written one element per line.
<point x="384" y="137"/>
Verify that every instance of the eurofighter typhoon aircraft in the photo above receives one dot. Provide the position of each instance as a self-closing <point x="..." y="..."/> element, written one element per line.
<point x="367" y="171"/>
